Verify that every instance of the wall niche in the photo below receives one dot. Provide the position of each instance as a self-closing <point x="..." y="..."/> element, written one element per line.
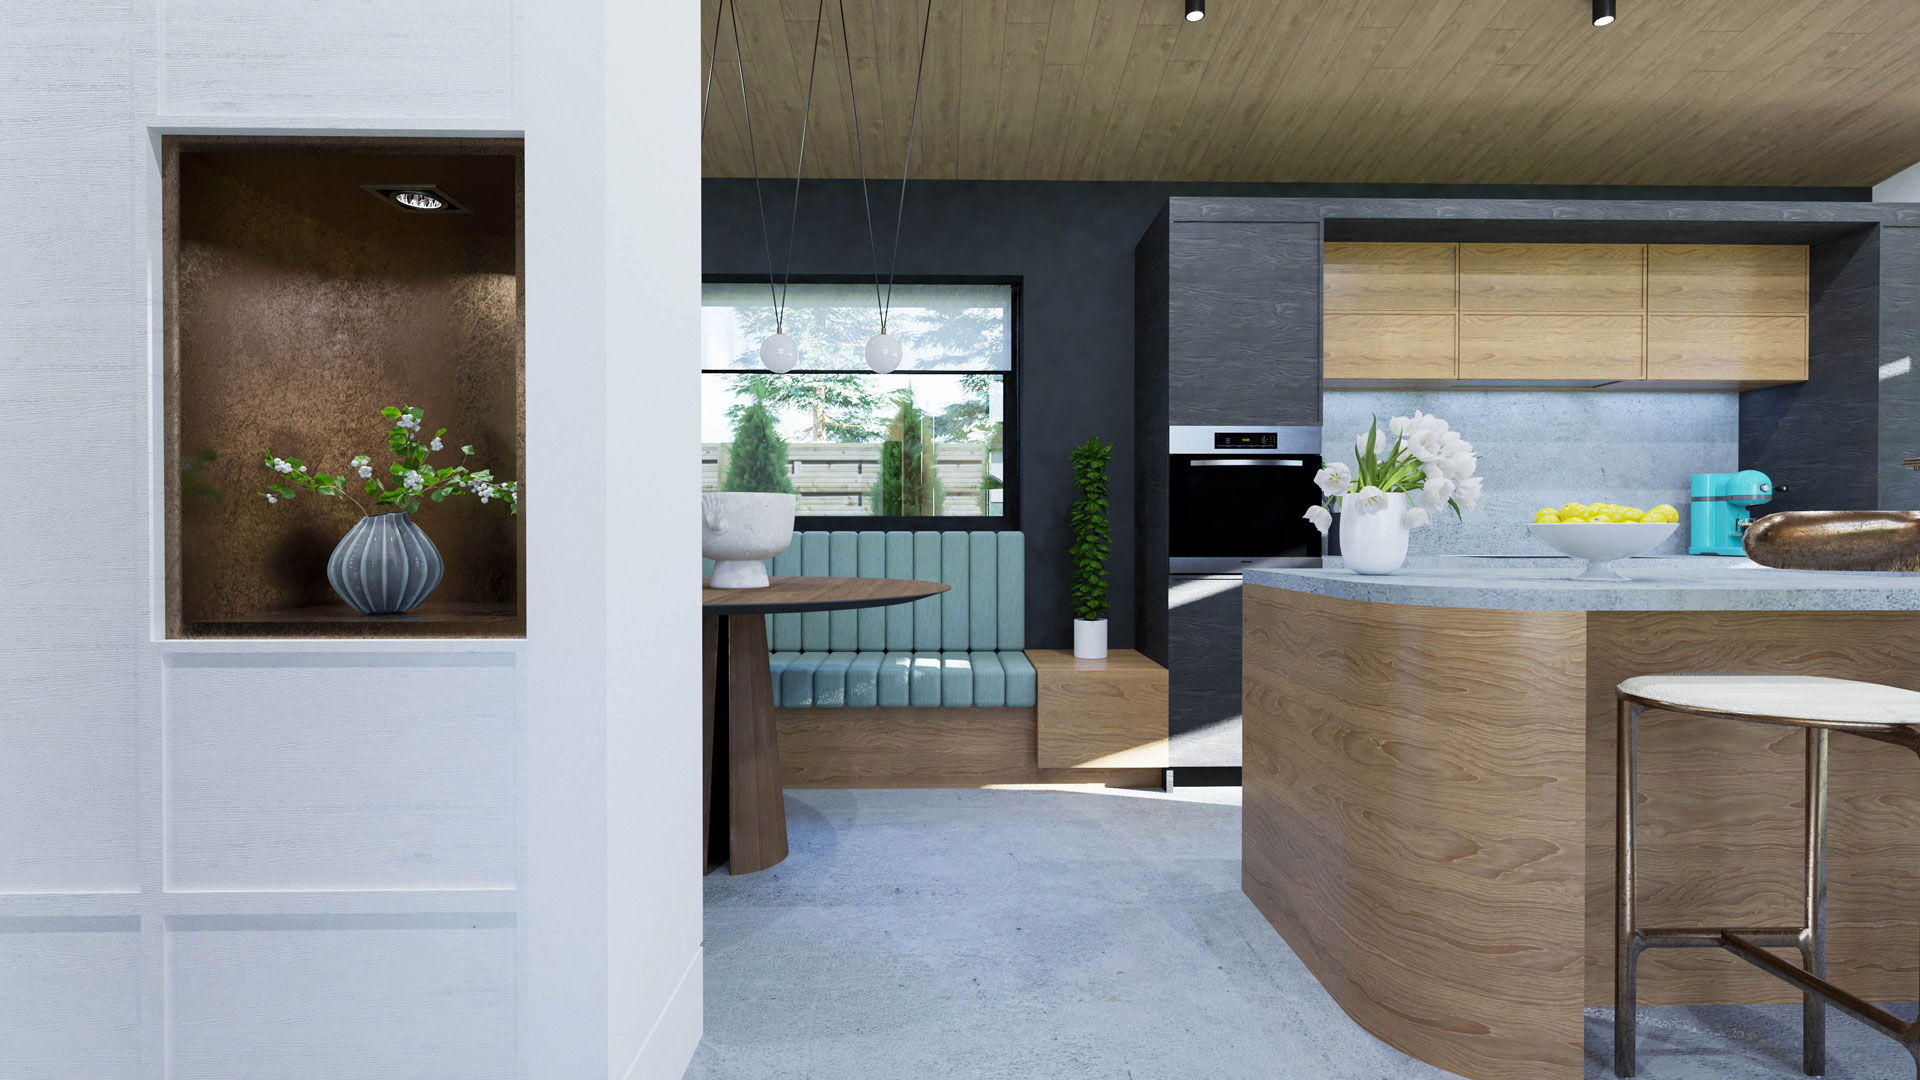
<point x="298" y="303"/>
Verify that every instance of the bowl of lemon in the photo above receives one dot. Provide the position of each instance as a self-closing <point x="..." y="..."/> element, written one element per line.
<point x="1602" y="533"/>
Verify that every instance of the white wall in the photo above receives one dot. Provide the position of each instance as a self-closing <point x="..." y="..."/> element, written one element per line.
<point x="1901" y="187"/>
<point x="247" y="859"/>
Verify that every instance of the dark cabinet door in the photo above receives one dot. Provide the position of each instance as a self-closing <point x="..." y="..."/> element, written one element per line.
<point x="1244" y="323"/>
<point x="1203" y="667"/>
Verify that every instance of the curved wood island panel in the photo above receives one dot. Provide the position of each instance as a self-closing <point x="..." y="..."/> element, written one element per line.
<point x="1415" y="820"/>
<point x="1428" y="813"/>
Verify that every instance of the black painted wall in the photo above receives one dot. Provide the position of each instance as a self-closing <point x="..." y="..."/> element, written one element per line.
<point x="1072" y="247"/>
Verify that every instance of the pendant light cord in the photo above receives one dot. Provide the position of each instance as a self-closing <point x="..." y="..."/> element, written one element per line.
<point x="753" y="154"/>
<point x="799" y="168"/>
<point x="906" y="167"/>
<point x="873" y="246"/>
<point x="713" y="58"/>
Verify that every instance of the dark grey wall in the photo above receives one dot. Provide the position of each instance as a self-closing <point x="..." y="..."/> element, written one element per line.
<point x="1071" y="245"/>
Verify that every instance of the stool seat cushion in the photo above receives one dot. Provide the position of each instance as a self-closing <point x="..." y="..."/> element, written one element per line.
<point x="1799" y="699"/>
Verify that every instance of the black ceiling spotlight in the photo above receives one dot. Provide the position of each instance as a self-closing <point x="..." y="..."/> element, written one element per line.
<point x="416" y="198"/>
<point x="1602" y="12"/>
<point x="1196" y="10"/>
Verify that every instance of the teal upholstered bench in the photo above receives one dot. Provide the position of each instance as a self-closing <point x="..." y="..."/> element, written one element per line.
<point x="960" y="649"/>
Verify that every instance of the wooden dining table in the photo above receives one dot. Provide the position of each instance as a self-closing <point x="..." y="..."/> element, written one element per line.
<point x="744" y="823"/>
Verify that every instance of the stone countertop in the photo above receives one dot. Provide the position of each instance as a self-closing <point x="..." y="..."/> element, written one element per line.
<point x="1685" y="583"/>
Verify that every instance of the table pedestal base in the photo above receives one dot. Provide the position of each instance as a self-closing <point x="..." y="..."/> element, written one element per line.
<point x="745" y="818"/>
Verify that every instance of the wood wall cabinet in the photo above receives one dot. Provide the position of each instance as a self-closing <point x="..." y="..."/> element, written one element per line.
<point x="1625" y="316"/>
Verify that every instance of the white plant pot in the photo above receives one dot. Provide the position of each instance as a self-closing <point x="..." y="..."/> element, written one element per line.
<point x="1376" y="542"/>
<point x="1090" y="639"/>
<point x="740" y="530"/>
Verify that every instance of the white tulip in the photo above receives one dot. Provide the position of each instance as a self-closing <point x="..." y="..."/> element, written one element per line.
<point x="1360" y="443"/>
<point x="1334" y="479"/>
<point x="1321" y="519"/>
<point x="1468" y="494"/>
<point x="1458" y="467"/>
<point x="1413" y="517"/>
<point x="1399" y="424"/>
<point x="1367" y="500"/>
<point x="1435" y="493"/>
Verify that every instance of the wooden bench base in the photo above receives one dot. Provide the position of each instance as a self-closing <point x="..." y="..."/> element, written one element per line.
<point x="908" y="748"/>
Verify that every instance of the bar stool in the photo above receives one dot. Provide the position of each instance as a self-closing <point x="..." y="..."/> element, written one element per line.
<point x="1883" y="713"/>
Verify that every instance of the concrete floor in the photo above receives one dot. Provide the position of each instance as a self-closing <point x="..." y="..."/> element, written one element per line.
<point x="1080" y="934"/>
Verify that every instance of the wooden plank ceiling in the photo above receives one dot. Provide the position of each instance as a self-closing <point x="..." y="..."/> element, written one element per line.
<point x="1439" y="91"/>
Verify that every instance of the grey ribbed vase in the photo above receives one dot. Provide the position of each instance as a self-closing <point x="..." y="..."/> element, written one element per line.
<point x="385" y="565"/>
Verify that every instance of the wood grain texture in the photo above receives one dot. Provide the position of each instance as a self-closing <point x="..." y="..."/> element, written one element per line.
<point x="1820" y="440"/>
<point x="790" y="594"/>
<point x="1367" y="277"/>
<point x="1741" y="348"/>
<point x="1151" y="476"/>
<point x="1414" y="819"/>
<point x="925" y="748"/>
<point x="1100" y="714"/>
<point x="1391" y="346"/>
<point x="1899" y="340"/>
<point x="1332" y="90"/>
<point x="1203" y="662"/>
<point x="1244" y="324"/>
<point x="1557" y="279"/>
<point x="1721" y="806"/>
<point x="1550" y="346"/>
<point x="756" y="811"/>
<point x="1727" y="279"/>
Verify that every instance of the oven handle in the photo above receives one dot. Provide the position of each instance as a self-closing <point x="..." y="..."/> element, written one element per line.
<point x="1248" y="461"/>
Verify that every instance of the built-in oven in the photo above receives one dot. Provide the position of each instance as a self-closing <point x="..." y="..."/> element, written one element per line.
<point x="1238" y="497"/>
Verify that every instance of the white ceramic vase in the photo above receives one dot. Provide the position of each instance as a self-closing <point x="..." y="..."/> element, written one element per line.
<point x="1374" y="542"/>
<point x="739" y="530"/>
<point x="1090" y="639"/>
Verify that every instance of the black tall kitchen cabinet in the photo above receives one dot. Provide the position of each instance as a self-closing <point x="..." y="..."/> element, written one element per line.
<point x="1227" y="324"/>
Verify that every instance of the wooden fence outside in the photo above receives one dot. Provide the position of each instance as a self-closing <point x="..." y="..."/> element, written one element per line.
<point x="837" y="478"/>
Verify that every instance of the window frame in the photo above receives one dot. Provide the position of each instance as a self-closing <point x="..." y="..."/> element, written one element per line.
<point x="1009" y="518"/>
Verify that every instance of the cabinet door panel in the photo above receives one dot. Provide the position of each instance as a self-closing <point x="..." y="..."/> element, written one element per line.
<point x="1550" y="346"/>
<point x="1244" y="323"/>
<point x="1390" y="346"/>
<point x="1552" y="278"/>
<point x="1390" y="277"/>
<point x="1735" y="348"/>
<point x="1727" y="279"/>
<point x="1203" y="670"/>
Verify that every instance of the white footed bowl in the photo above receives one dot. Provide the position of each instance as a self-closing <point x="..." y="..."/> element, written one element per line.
<point x="1601" y="543"/>
<point x="739" y="530"/>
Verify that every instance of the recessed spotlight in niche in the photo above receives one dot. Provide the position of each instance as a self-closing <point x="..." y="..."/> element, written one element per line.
<point x="416" y="198"/>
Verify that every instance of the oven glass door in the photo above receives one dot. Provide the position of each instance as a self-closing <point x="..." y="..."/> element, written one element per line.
<point x="1242" y="507"/>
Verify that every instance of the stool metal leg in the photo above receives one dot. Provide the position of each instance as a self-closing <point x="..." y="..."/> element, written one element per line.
<point x="1813" y="939"/>
<point x="1626" y="948"/>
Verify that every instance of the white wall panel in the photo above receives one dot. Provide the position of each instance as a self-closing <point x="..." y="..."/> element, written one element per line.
<point x="341" y="997"/>
<point x="69" y="773"/>
<point x="421" y="59"/>
<point x="360" y="771"/>
<point x="70" y="998"/>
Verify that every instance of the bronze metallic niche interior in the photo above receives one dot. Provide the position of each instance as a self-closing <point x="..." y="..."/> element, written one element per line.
<point x="298" y="305"/>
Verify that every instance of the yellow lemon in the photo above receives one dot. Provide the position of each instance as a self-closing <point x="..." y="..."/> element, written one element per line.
<point x="1663" y="513"/>
<point x="1572" y="509"/>
<point x="1547" y="517"/>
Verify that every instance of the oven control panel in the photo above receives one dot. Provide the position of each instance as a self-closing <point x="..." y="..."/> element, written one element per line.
<point x="1245" y="440"/>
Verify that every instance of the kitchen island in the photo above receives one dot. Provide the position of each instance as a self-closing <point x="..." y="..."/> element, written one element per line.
<point x="1429" y="764"/>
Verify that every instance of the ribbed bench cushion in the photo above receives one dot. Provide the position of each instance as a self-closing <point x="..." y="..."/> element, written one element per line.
<point x="955" y="680"/>
<point x="959" y="649"/>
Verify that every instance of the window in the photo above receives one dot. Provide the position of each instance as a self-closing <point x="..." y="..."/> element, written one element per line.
<point x="928" y="440"/>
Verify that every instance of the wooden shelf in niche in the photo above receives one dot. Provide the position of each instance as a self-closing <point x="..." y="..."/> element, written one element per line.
<point x="297" y="305"/>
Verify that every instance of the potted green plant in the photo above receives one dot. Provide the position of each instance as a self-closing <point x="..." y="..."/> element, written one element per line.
<point x="1087" y="556"/>
<point x="385" y="565"/>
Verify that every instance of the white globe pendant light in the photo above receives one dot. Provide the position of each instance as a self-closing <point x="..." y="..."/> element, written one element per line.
<point x="778" y="353"/>
<point x="883" y="352"/>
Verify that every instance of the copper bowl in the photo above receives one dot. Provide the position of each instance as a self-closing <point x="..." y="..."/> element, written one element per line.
<point x="1836" y="540"/>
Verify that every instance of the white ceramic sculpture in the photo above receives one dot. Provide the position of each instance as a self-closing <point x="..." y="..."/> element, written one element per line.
<point x="741" y="529"/>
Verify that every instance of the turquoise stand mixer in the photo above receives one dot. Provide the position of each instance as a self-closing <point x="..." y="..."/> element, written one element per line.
<point x="1719" y="509"/>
